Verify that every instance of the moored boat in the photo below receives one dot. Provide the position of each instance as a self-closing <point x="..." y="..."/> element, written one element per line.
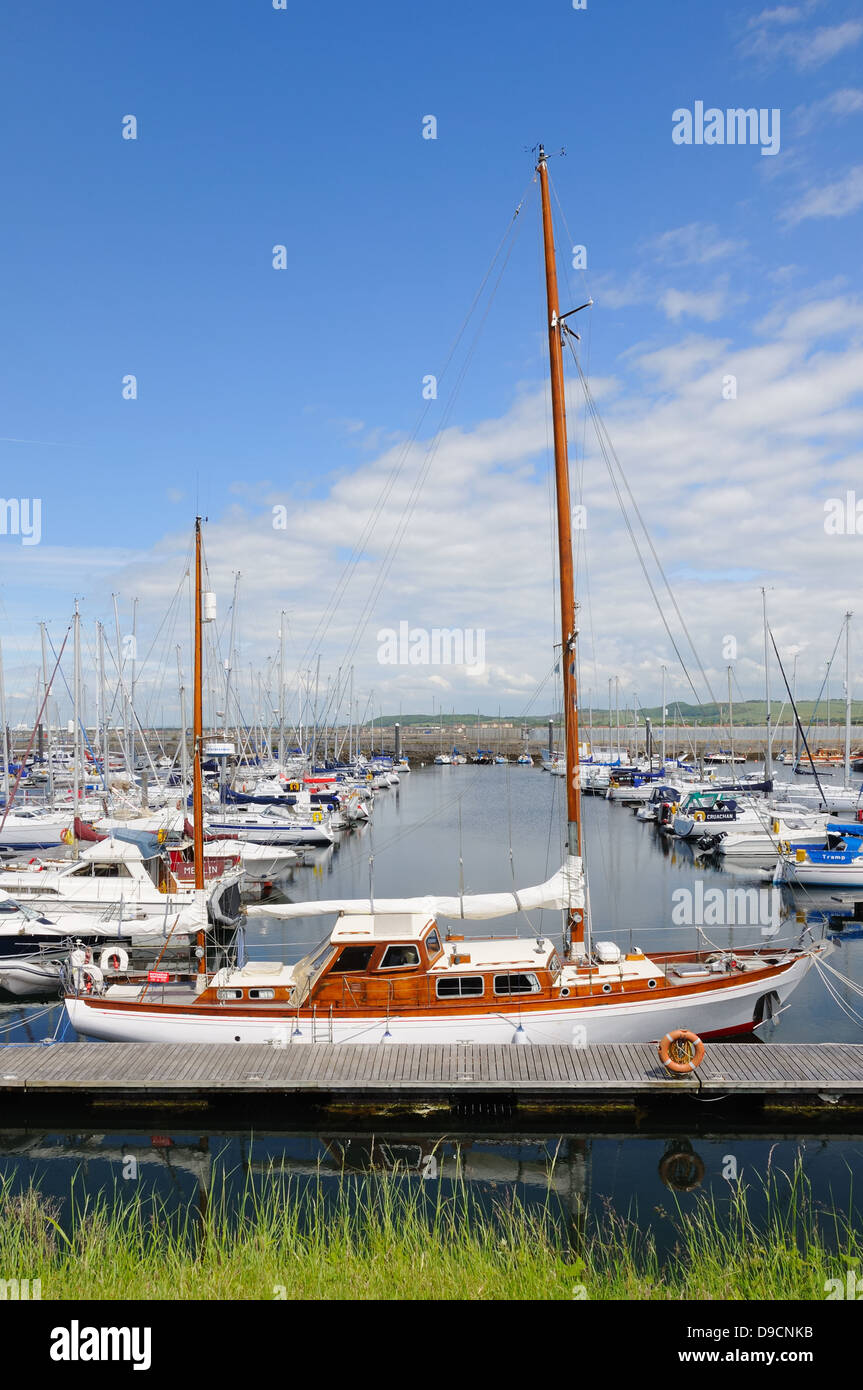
<point x="388" y="970"/>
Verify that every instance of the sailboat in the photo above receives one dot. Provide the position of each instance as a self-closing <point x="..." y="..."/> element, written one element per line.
<point x="387" y="970"/>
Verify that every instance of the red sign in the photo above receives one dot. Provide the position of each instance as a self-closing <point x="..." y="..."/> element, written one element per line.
<point x="158" y="977"/>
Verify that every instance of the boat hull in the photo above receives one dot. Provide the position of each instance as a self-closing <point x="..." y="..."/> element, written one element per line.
<point x="722" y="1012"/>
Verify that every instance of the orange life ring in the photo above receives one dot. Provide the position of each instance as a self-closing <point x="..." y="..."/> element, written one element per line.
<point x="681" y="1051"/>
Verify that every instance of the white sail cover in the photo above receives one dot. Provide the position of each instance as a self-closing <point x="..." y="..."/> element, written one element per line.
<point x="564" y="890"/>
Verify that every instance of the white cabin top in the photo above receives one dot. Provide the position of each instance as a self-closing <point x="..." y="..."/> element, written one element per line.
<point x="111" y="851"/>
<point x="383" y="926"/>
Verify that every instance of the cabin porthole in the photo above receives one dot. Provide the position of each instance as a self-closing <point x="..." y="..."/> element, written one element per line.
<point x="564" y="993"/>
<point x="606" y="988"/>
<point x="236" y="1037"/>
<point x="651" y="984"/>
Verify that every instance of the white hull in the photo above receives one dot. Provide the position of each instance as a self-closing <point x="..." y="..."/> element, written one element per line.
<point x="28" y="979"/>
<point x="832" y="875"/>
<point x="726" y="1010"/>
<point x="36" y="832"/>
<point x="258" y="861"/>
<point x="271" y="832"/>
<point x="762" y="845"/>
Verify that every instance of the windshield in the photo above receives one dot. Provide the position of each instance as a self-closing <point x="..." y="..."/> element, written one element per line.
<point x="315" y="960"/>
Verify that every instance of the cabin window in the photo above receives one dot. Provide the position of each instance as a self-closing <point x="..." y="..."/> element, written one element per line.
<point x="229" y="994"/>
<point x="400" y="958"/>
<point x="459" y="986"/>
<point x="516" y="984"/>
<point x="555" y="966"/>
<point x="262" y="994"/>
<point x="433" y="945"/>
<point x="352" y="958"/>
<point x="110" y="871"/>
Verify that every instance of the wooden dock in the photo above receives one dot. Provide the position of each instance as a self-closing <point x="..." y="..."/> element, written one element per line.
<point x="817" y="1077"/>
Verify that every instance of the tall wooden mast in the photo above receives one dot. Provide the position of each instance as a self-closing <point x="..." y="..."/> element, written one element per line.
<point x="197" y="741"/>
<point x="564" y="541"/>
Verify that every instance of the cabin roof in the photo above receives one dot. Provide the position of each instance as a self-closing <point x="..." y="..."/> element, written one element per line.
<point x="383" y="926"/>
<point x="110" y="851"/>
<point x="521" y="953"/>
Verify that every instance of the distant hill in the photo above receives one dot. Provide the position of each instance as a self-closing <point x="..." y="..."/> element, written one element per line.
<point x="745" y="712"/>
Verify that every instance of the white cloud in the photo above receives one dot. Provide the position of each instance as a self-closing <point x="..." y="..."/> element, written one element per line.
<point x="768" y="40"/>
<point x="697" y="243"/>
<point x="707" y="305"/>
<point x="826" y="42"/>
<point x="847" y="101"/>
<point x="836" y="199"/>
<point x="733" y="492"/>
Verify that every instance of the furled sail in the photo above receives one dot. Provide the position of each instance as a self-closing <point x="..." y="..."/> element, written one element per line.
<point x="564" y="890"/>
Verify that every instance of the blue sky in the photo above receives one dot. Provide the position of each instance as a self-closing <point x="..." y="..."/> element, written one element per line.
<point x="303" y="127"/>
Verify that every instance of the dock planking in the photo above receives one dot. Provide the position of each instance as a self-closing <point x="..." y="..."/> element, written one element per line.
<point x="536" y="1074"/>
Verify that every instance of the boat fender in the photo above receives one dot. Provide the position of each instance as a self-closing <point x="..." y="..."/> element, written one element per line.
<point x="114" y="958"/>
<point x="681" y="1051"/>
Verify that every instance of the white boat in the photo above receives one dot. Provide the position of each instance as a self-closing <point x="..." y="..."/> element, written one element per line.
<point x="32" y="976"/>
<point x="836" y="868"/>
<point x="32" y="829"/>
<point x="268" y="825"/>
<point x="706" y="812"/>
<point x="781" y="826"/>
<point x="831" y="797"/>
<point x="116" y="874"/>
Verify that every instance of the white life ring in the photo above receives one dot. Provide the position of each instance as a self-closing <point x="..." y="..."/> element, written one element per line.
<point x="82" y="955"/>
<point x="114" y="958"/>
<point x="88" y="979"/>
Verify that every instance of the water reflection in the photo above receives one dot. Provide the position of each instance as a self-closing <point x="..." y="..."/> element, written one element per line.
<point x="575" y="1176"/>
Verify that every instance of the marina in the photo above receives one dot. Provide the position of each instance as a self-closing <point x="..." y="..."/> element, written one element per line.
<point x="431" y="778"/>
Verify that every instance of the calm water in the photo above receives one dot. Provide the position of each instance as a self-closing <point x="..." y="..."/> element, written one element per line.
<point x="505" y="824"/>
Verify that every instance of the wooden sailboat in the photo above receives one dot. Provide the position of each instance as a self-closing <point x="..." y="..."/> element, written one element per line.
<point x="388" y="971"/>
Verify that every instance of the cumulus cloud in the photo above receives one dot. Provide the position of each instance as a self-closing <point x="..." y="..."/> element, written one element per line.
<point x="732" y="486"/>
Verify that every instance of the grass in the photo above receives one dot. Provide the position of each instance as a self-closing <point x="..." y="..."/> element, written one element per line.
<point x="379" y="1237"/>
